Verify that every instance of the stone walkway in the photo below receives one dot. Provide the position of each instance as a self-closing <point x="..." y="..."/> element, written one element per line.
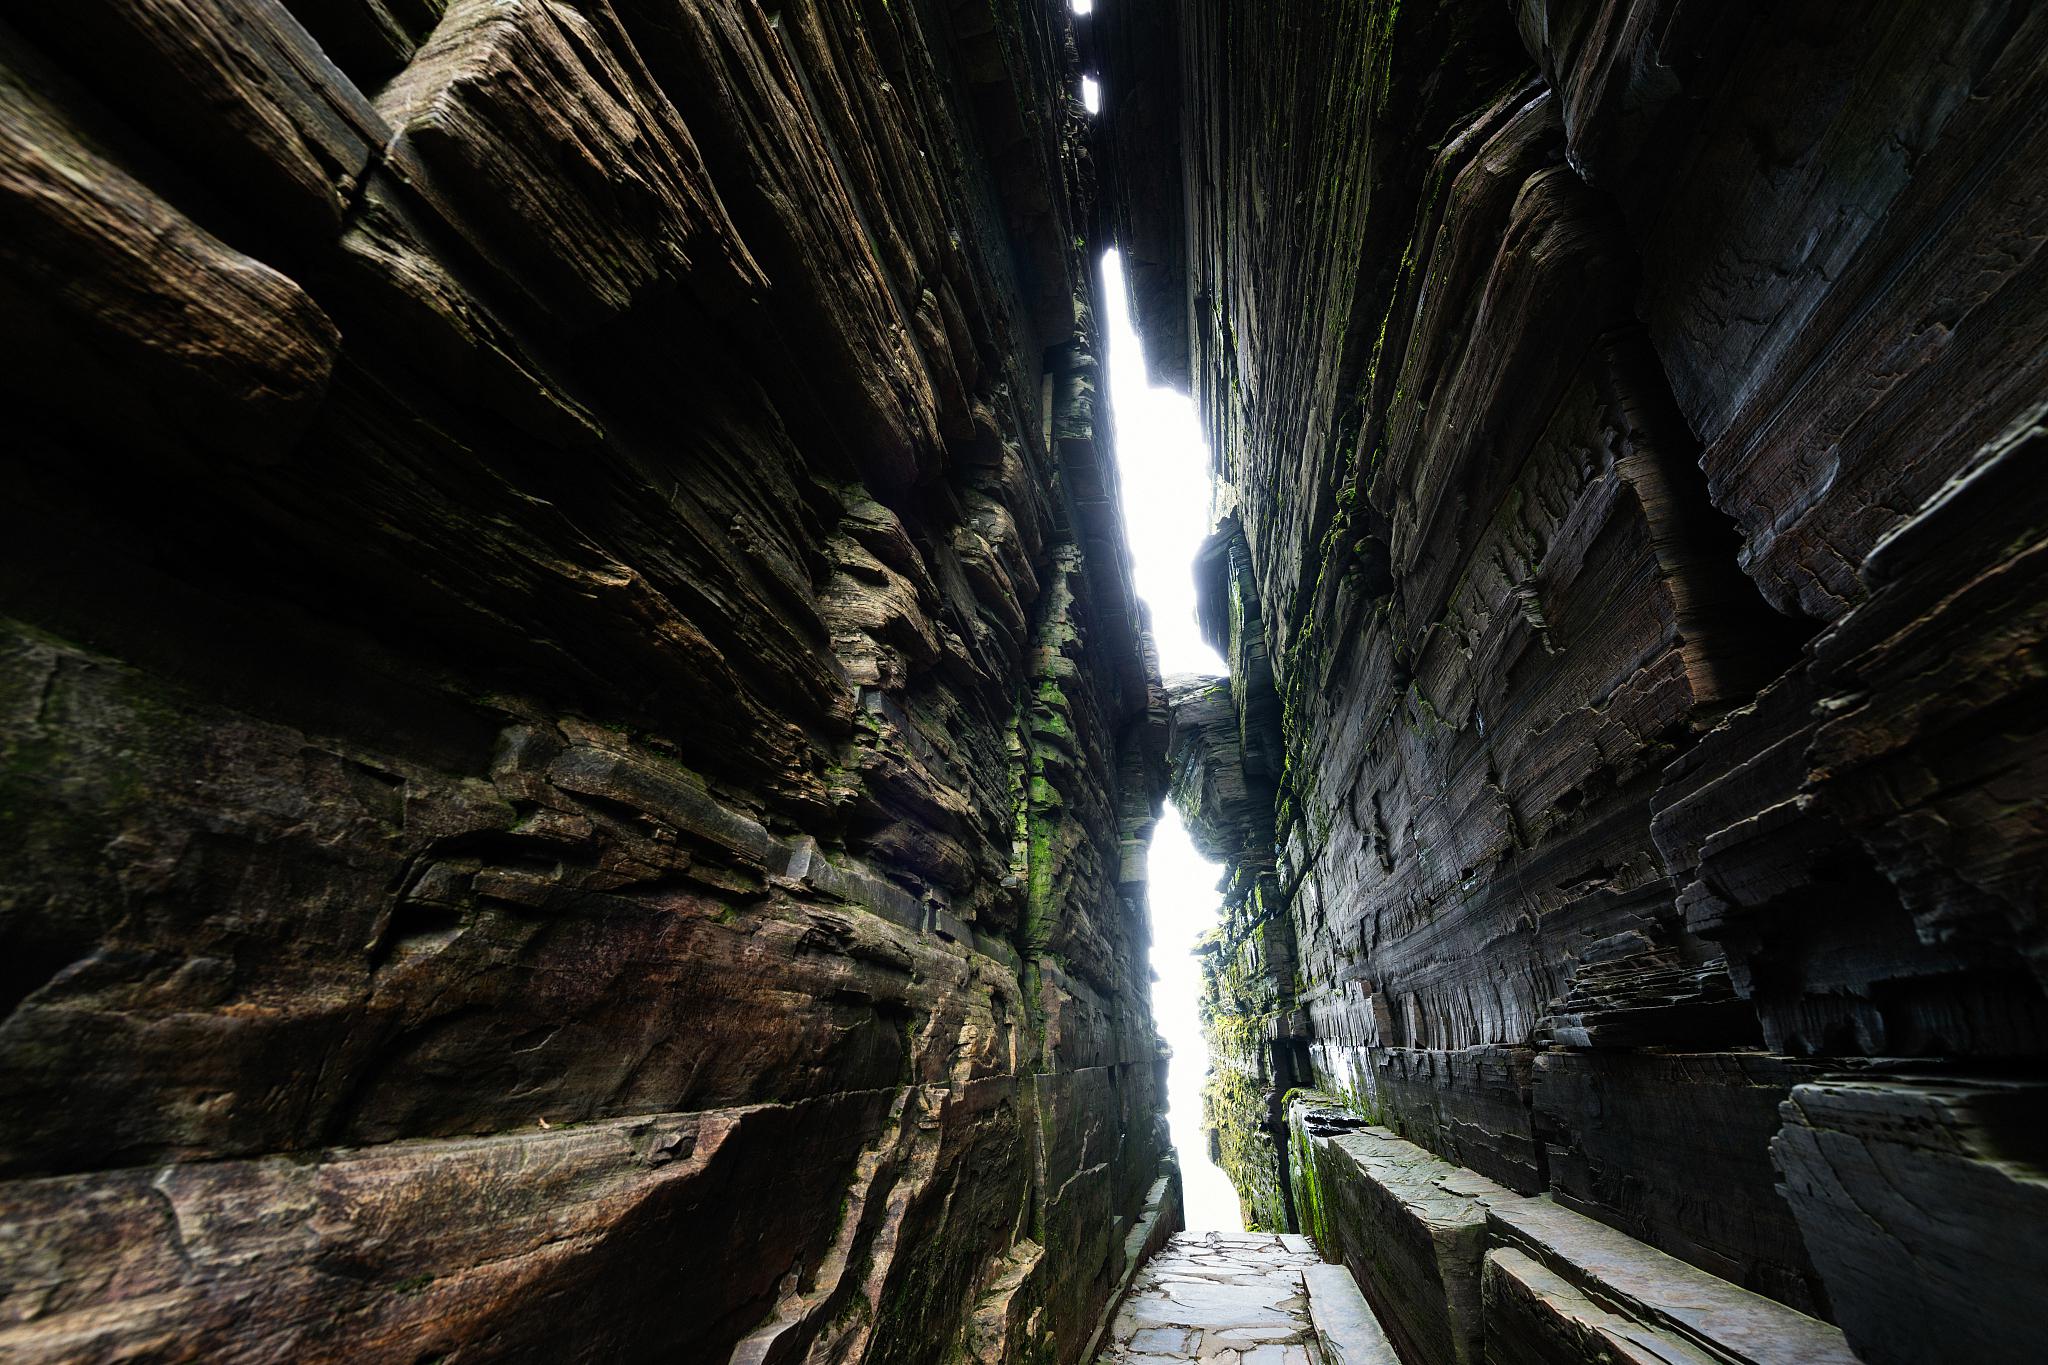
<point x="1220" y="1298"/>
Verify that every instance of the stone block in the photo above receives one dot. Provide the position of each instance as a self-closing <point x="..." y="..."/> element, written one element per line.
<point x="1719" y="1320"/>
<point x="1345" y="1326"/>
<point x="1535" y="1317"/>
<point x="1674" y="1149"/>
<point x="1409" y="1225"/>
<point x="1447" y="1257"/>
<point x="1924" y="1203"/>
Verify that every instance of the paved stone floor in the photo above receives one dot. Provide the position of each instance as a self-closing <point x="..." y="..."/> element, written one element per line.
<point x="1220" y="1298"/>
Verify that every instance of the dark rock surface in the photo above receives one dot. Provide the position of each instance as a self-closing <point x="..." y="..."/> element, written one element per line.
<point x="576" y="746"/>
<point x="1460" y="1268"/>
<point x="1915" y="1194"/>
<point x="1630" y="417"/>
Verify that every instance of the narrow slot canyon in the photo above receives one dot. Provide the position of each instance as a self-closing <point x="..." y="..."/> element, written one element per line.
<point x="1169" y="497"/>
<point x="1024" y="682"/>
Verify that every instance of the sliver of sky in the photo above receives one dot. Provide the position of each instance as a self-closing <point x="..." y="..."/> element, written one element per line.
<point x="1164" y="470"/>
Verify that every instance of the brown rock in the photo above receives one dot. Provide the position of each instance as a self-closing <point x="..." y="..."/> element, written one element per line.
<point x="574" y="732"/>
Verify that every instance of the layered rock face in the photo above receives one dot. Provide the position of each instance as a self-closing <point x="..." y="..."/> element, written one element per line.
<point x="577" y="743"/>
<point x="1631" y="415"/>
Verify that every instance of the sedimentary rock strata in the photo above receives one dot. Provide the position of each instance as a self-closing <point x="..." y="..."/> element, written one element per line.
<point x="577" y="742"/>
<point x="1625" y="413"/>
<point x="577" y="746"/>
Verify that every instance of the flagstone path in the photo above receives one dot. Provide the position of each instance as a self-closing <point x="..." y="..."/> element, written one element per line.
<point x="1222" y="1299"/>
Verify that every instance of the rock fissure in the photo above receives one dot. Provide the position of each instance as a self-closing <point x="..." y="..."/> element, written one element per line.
<point x="578" y="740"/>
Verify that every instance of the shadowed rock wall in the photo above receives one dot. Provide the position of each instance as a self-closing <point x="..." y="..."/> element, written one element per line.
<point x="576" y="748"/>
<point x="1630" y="417"/>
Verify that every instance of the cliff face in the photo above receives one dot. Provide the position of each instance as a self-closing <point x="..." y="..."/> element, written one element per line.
<point x="1631" y="417"/>
<point x="577" y="744"/>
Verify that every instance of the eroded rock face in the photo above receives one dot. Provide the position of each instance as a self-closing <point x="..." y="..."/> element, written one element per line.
<point x="1623" y="410"/>
<point x="577" y="743"/>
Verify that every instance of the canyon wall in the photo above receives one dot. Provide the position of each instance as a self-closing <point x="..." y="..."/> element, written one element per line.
<point x="1633" y="767"/>
<point x="576" y="747"/>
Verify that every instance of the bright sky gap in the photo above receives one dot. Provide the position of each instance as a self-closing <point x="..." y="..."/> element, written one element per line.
<point x="1166" y="495"/>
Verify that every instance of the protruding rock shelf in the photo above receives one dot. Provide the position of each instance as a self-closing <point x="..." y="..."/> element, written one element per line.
<point x="1461" y="1269"/>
